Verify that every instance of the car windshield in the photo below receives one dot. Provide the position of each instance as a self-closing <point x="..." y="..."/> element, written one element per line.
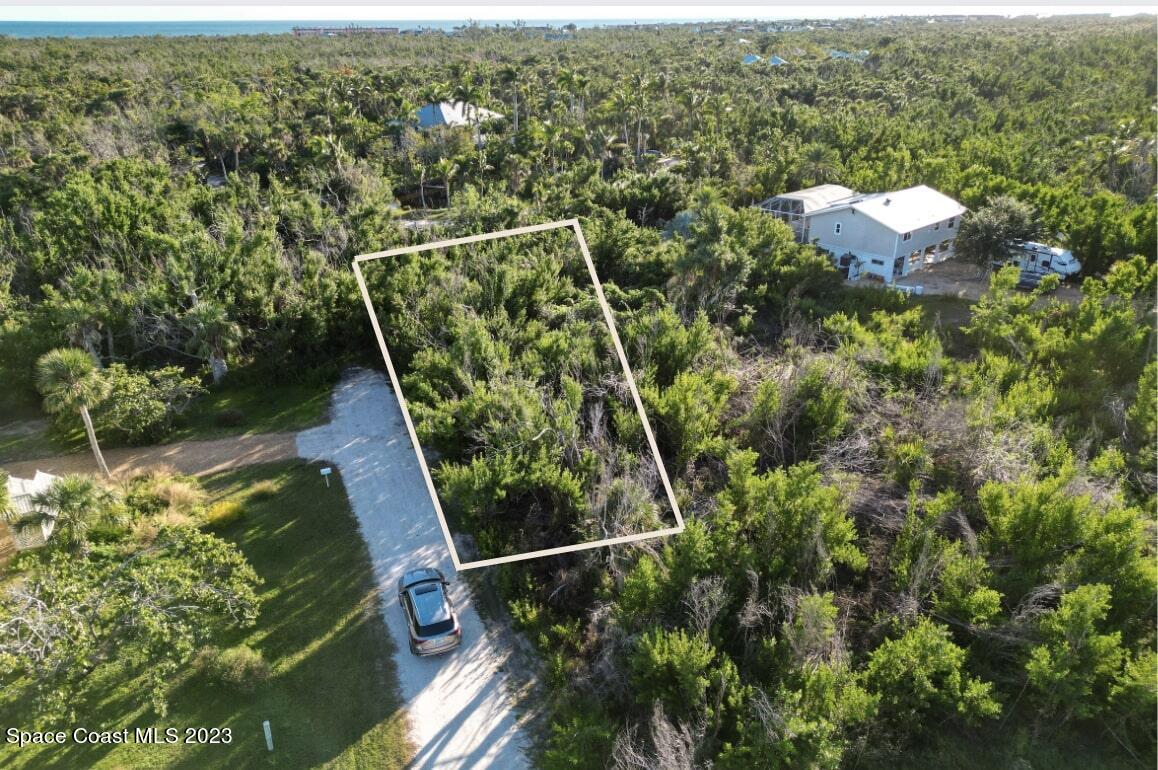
<point x="432" y="612"/>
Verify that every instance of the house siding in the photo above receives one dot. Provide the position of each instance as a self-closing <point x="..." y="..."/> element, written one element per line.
<point x="870" y="240"/>
<point x="857" y="233"/>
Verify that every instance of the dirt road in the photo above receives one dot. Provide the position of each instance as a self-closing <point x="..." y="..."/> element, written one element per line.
<point x="197" y="458"/>
<point x="957" y="278"/>
<point x="460" y="713"/>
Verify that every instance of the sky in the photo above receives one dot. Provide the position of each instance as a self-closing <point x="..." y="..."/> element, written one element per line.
<point x="561" y="10"/>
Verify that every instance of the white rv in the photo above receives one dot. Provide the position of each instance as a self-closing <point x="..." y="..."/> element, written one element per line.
<point x="1040" y="259"/>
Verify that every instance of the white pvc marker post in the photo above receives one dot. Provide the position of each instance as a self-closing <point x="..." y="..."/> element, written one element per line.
<point x="326" y="475"/>
<point x="268" y="735"/>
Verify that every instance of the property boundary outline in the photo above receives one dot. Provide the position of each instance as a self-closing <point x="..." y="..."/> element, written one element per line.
<point x="608" y="317"/>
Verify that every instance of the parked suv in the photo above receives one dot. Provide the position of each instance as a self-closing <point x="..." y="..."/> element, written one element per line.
<point x="430" y="616"/>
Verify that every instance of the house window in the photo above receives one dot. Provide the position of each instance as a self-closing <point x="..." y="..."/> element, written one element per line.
<point x="937" y="226"/>
<point x="836" y="228"/>
<point x="952" y="221"/>
<point x="878" y="262"/>
<point x="907" y="237"/>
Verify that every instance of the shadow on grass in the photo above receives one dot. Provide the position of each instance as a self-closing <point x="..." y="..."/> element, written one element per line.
<point x="259" y="409"/>
<point x="332" y="696"/>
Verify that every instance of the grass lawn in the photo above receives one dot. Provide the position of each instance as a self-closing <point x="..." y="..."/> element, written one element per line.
<point x="263" y="409"/>
<point x="332" y="698"/>
<point x="23" y="427"/>
<point x="30" y="440"/>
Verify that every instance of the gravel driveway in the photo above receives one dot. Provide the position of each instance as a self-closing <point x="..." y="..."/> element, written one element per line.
<point x="460" y="713"/>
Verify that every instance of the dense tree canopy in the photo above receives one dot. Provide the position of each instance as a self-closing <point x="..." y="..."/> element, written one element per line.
<point x="914" y="525"/>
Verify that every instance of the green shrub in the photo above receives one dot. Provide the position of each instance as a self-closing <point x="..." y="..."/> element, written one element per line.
<point x="224" y="513"/>
<point x="674" y="667"/>
<point x="906" y="458"/>
<point x="921" y="677"/>
<point x="241" y="668"/>
<point x="580" y="739"/>
<point x="264" y="490"/>
<point x="142" y="405"/>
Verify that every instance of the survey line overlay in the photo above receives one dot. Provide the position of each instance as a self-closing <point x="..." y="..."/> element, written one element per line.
<point x="395" y="382"/>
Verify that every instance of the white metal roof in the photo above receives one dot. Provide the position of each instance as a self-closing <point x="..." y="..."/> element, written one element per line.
<point x="20" y="495"/>
<point x="819" y="197"/>
<point x="905" y="210"/>
<point x="21" y="491"/>
<point x="453" y="114"/>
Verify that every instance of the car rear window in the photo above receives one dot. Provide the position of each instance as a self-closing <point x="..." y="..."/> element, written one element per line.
<point x="436" y="628"/>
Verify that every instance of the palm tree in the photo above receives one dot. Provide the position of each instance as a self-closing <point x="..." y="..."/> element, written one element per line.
<point x="402" y="108"/>
<point x="693" y="102"/>
<point x="74" y="505"/>
<point x="582" y="85"/>
<point x="69" y="380"/>
<point x="516" y="168"/>
<point x="568" y="81"/>
<point x="436" y="92"/>
<point x="447" y="168"/>
<point x="820" y="163"/>
<point x="468" y="94"/>
<point x="213" y="336"/>
<point x="551" y="136"/>
<point x="621" y="104"/>
<point x="509" y="76"/>
<point x="422" y="166"/>
<point x="640" y="85"/>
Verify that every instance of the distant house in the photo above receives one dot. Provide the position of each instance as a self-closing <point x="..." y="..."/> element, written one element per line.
<point x="453" y="114"/>
<point x="662" y="162"/>
<point x="21" y="494"/>
<point x="857" y="56"/>
<point x="776" y="61"/>
<point x="887" y="235"/>
<point x="752" y="58"/>
<point x="347" y="31"/>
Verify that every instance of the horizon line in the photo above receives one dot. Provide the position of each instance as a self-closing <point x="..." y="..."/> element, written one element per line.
<point x="526" y="13"/>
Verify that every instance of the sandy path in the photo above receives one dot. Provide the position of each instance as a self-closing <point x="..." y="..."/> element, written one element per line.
<point x="197" y="458"/>
<point x="459" y="709"/>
